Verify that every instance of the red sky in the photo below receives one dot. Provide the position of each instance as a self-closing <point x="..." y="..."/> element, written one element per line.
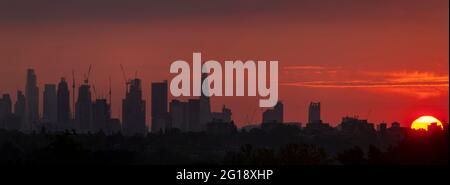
<point x="381" y="60"/>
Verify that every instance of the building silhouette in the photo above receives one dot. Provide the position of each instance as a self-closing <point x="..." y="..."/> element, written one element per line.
<point x="83" y="112"/>
<point x="101" y="115"/>
<point x="63" y="102"/>
<point x="50" y="103"/>
<point x="204" y="108"/>
<point x="5" y="106"/>
<point x="315" y="124"/>
<point x="19" y="108"/>
<point x="434" y="128"/>
<point x="382" y="127"/>
<point x="395" y="125"/>
<point x="179" y="113"/>
<point x="219" y="127"/>
<point x="221" y="123"/>
<point x="275" y="114"/>
<point x="224" y="116"/>
<point x="32" y="101"/>
<point x="133" y="110"/>
<point x="8" y="120"/>
<point x="314" y="113"/>
<point x="193" y="115"/>
<point x="186" y="115"/>
<point x="356" y="125"/>
<point x="193" y="118"/>
<point x="160" y="116"/>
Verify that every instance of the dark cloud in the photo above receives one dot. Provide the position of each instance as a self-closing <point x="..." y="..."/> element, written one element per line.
<point x="54" y="10"/>
<point x="124" y="9"/>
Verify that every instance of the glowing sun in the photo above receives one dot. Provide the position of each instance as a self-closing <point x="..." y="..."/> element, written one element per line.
<point x="424" y="121"/>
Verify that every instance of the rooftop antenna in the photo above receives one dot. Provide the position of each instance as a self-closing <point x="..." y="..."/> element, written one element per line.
<point x="127" y="82"/>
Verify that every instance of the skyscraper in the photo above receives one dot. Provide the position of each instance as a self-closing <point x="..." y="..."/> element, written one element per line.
<point x="8" y="120"/>
<point x="193" y="115"/>
<point x="101" y="115"/>
<point x="204" y="107"/>
<point x="5" y="106"/>
<point x="186" y="115"/>
<point x="160" y="117"/>
<point x="133" y="110"/>
<point x="50" y="103"/>
<point x="314" y="113"/>
<point x="63" y="102"/>
<point x="19" y="107"/>
<point x="193" y="118"/>
<point x="83" y="112"/>
<point x="32" y="101"/>
<point x="179" y="115"/>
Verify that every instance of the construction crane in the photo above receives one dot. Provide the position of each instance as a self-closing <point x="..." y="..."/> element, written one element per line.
<point x="95" y="92"/>
<point x="86" y="77"/>
<point x="127" y="81"/>
<point x="109" y="92"/>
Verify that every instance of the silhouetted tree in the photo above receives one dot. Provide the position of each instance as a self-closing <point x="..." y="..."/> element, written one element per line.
<point x="296" y="154"/>
<point x="353" y="156"/>
<point x="374" y="155"/>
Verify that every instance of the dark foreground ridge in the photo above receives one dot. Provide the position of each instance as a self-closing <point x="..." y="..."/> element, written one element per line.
<point x="279" y="146"/>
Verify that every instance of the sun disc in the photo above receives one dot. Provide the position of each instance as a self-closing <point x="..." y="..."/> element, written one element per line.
<point x="424" y="121"/>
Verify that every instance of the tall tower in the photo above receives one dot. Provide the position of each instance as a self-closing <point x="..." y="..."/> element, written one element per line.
<point x="101" y="115"/>
<point x="32" y="101"/>
<point x="133" y="110"/>
<point x="314" y="113"/>
<point x="50" y="103"/>
<point x="5" y="106"/>
<point x="83" y="112"/>
<point x="205" y="106"/>
<point x="7" y="119"/>
<point x="159" y="107"/>
<point x="19" y="106"/>
<point x="179" y="115"/>
<point x="63" y="102"/>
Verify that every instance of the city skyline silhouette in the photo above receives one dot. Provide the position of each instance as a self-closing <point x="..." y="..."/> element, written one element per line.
<point x="91" y="113"/>
<point x="94" y="96"/>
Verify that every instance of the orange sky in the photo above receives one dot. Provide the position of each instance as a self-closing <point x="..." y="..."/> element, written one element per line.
<point x="381" y="60"/>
